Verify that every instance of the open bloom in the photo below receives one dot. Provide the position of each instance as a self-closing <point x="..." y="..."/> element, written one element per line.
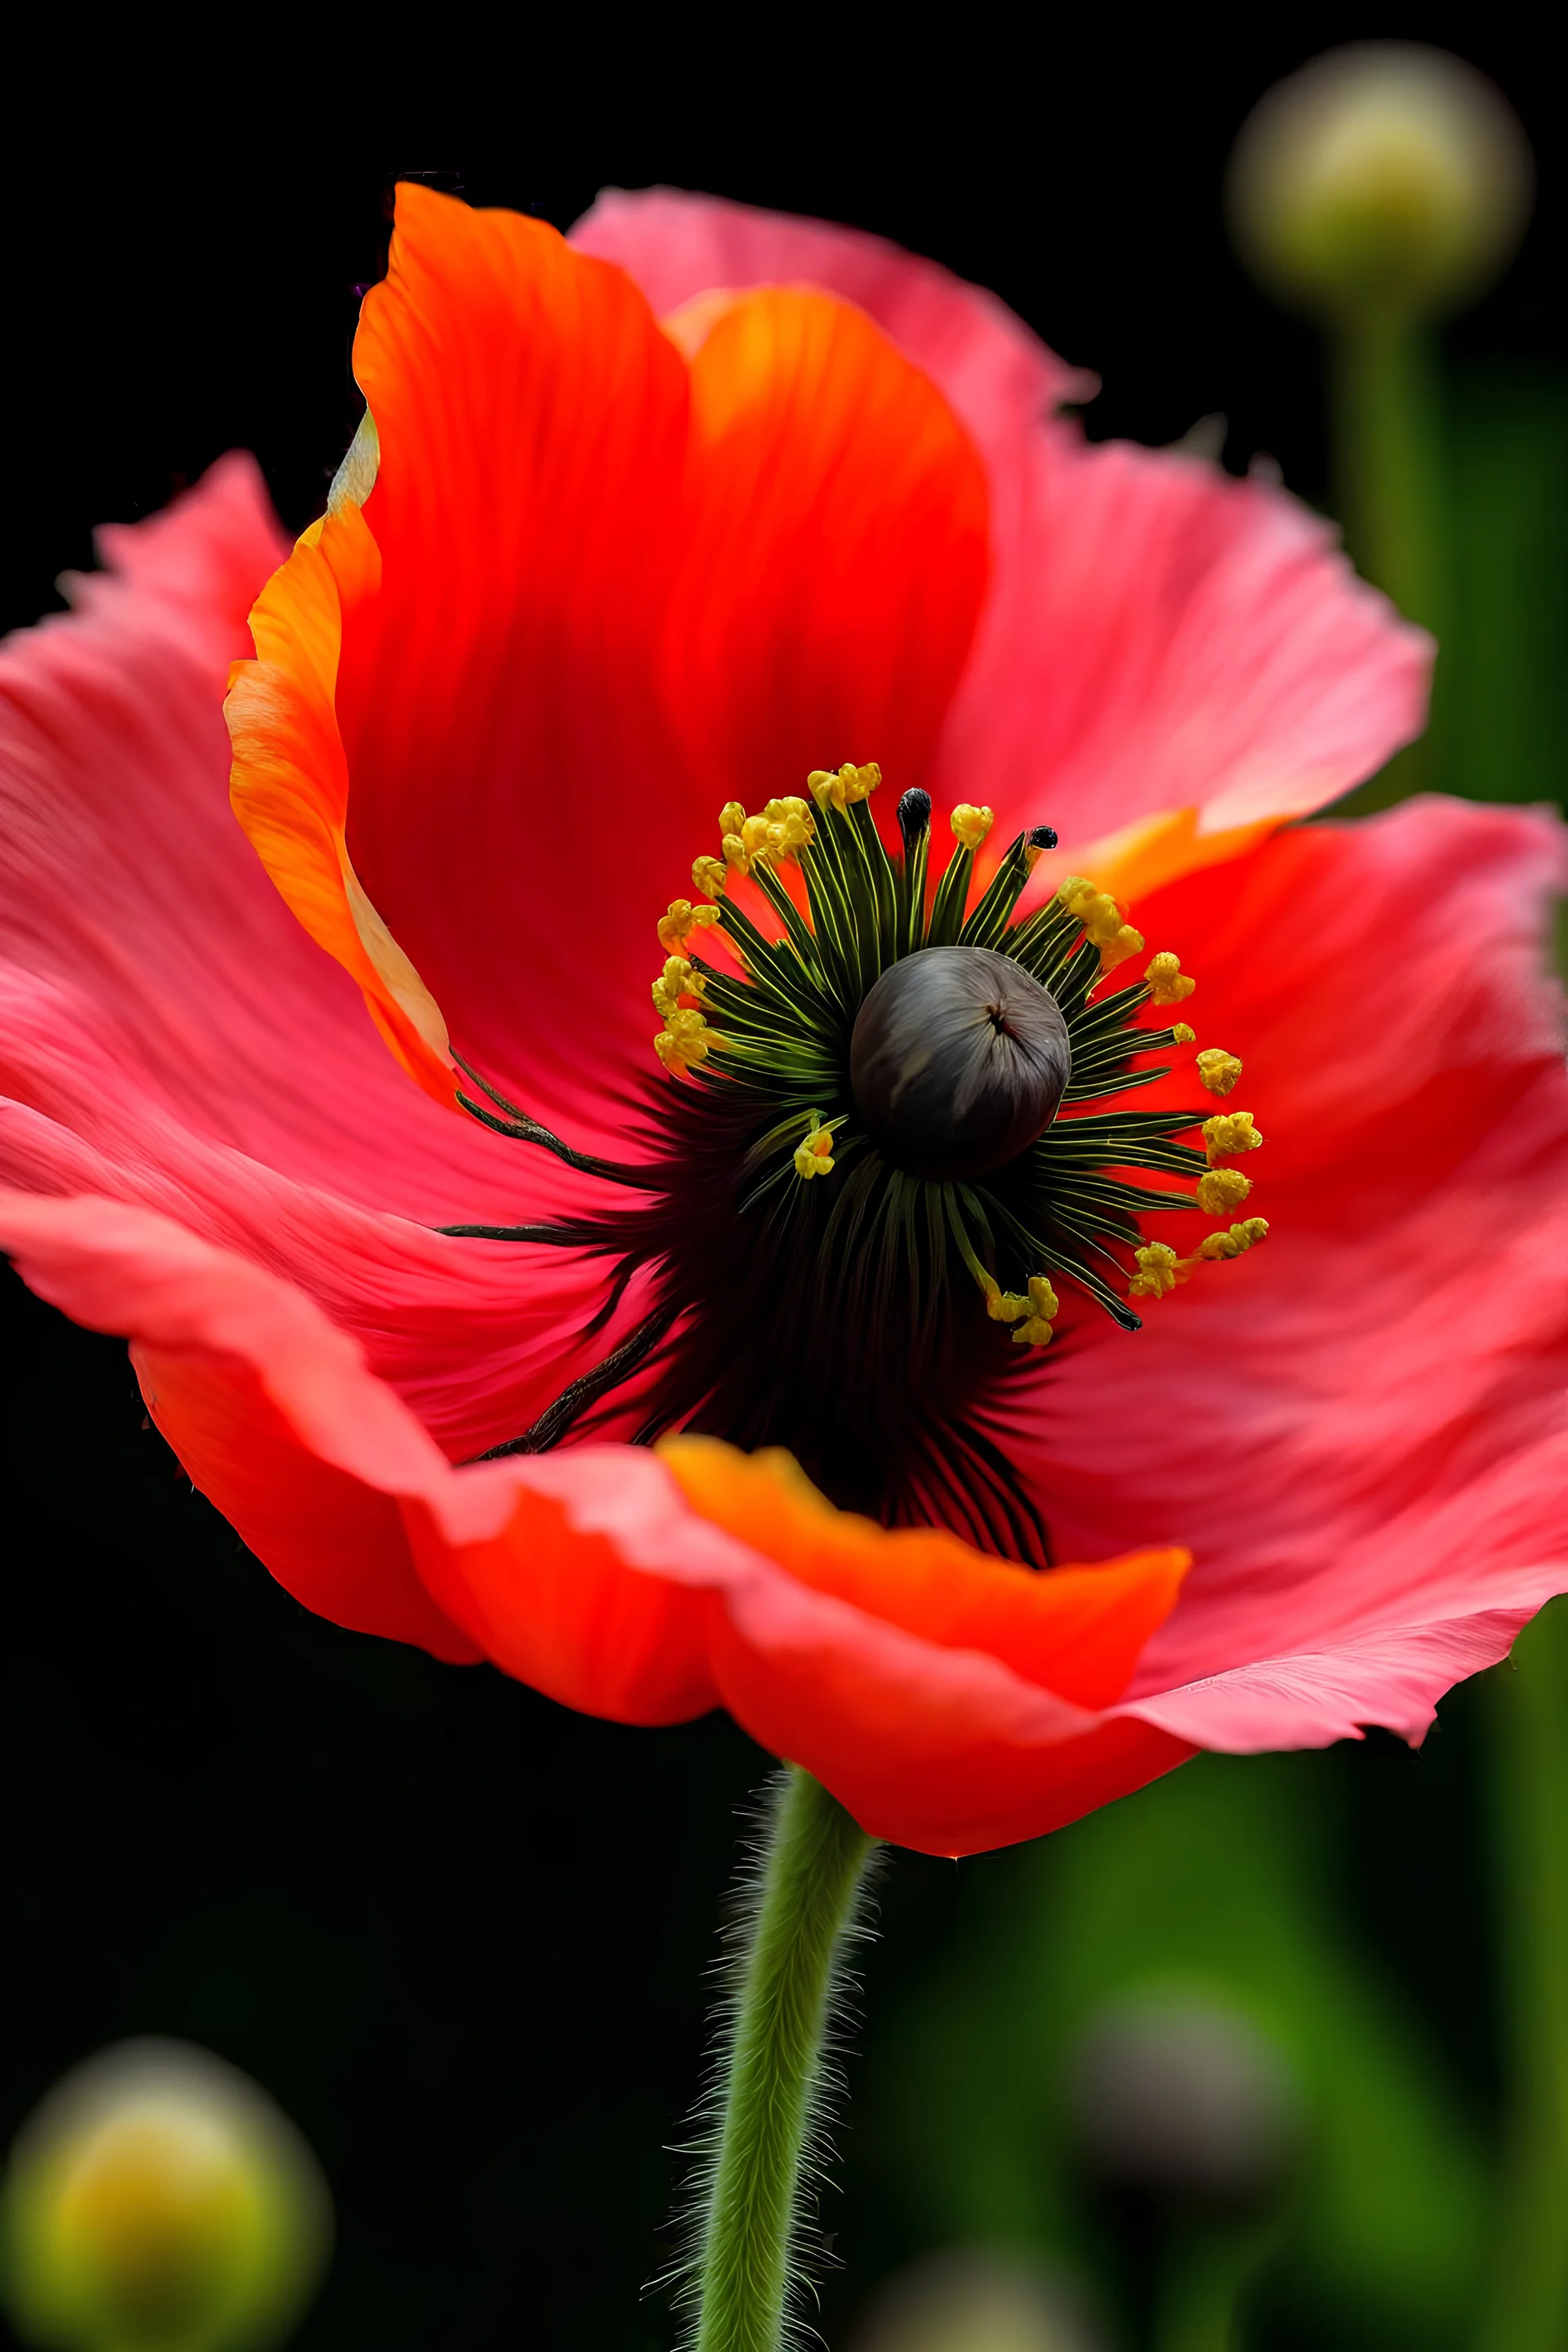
<point x="582" y="693"/>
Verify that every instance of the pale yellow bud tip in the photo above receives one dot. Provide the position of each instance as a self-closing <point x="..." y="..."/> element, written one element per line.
<point x="158" y="2197"/>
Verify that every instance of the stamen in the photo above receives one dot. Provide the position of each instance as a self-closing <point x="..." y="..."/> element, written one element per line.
<point x="1228" y="1134"/>
<point x="1221" y="1190"/>
<point x="1043" y="1307"/>
<point x="1159" y="1271"/>
<point x="676" y="926"/>
<point x="711" y="876"/>
<point x="971" y="825"/>
<point x="1217" y="1071"/>
<point x="1181" y="1034"/>
<point x="841" y="790"/>
<point x="1168" y="984"/>
<point x="814" y="1157"/>
<point x="1236" y="1242"/>
<point x="914" y="819"/>
<point x="1100" y="916"/>
<point x="684" y="1041"/>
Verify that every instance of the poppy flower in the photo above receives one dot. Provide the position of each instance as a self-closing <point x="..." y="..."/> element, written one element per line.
<point x="664" y="548"/>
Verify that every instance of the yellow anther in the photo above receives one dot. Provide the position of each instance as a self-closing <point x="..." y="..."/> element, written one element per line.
<point x="1035" y="1331"/>
<point x="1236" y="1242"/>
<point x="1228" y="1134"/>
<point x="971" y="824"/>
<point x="737" y="857"/>
<point x="1002" y="1306"/>
<point x="754" y="832"/>
<point x="791" y="826"/>
<point x="1184" y="1035"/>
<point x="711" y="876"/>
<point x="1100" y="916"/>
<point x="677" y="979"/>
<point x="1217" y="1071"/>
<point x="683" y="1041"/>
<point x="814" y="1157"/>
<point x="732" y="817"/>
<point x="1126" y="943"/>
<point x="1223" y="1190"/>
<point x="1159" y="1271"/>
<point x="1168" y="984"/>
<point x="836" y="790"/>
<point x="675" y="925"/>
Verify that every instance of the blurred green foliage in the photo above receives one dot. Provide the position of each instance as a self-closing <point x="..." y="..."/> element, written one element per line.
<point x="1481" y="527"/>
<point x="1217" y="1880"/>
<point x="1501" y="709"/>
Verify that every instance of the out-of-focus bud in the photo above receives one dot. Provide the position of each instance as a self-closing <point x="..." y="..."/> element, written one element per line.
<point x="1182" y="2101"/>
<point x="158" y="2201"/>
<point x="1386" y="177"/>
<point x="967" y="2300"/>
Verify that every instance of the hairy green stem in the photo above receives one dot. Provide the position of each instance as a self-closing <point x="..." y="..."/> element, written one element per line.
<point x="1526" y="2310"/>
<point x="772" y="2076"/>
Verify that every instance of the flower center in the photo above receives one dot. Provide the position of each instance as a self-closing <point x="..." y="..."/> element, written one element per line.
<point x="886" y="1093"/>
<point x="957" y="1062"/>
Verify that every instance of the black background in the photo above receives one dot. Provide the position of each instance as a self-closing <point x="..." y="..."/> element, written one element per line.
<point x="461" y="1934"/>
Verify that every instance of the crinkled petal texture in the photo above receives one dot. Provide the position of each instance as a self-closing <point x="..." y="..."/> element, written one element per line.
<point x="1168" y="659"/>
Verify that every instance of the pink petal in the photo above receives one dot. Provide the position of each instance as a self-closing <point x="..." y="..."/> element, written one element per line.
<point x="1359" y="1428"/>
<point x="169" y="1034"/>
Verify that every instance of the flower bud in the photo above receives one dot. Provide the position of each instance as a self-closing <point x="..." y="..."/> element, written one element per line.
<point x="1386" y="178"/>
<point x="158" y="2201"/>
<point x="958" y="1061"/>
<point x="967" y="2300"/>
<point x="1183" y="2101"/>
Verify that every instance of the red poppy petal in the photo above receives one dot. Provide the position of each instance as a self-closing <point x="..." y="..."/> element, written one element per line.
<point x="587" y="1573"/>
<point x="999" y="377"/>
<point x="268" y="1407"/>
<point x="170" y="1035"/>
<point x="1163" y="639"/>
<point x="1163" y="649"/>
<point x="1359" y="1428"/>
<point x="614" y="592"/>
<point x="1078" y="1631"/>
<point x="835" y="551"/>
